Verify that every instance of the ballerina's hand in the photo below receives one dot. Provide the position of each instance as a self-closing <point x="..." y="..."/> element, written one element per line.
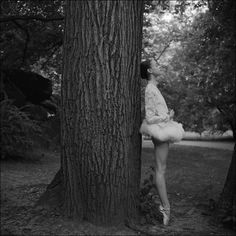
<point x="171" y="114"/>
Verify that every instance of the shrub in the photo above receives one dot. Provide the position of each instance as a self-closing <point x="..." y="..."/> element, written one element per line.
<point x="16" y="130"/>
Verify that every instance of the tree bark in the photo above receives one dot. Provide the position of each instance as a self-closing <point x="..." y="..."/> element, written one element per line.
<point x="227" y="200"/>
<point x="100" y="140"/>
<point x="226" y="206"/>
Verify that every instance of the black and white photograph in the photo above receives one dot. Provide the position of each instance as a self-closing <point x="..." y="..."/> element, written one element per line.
<point x="118" y="117"/>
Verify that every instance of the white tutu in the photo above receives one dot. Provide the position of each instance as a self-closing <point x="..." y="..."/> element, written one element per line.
<point x="170" y="131"/>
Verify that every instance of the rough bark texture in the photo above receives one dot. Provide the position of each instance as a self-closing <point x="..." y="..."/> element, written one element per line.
<point x="227" y="201"/>
<point x="224" y="14"/>
<point x="101" y="145"/>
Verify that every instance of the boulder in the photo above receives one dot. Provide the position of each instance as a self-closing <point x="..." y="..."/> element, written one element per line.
<point x="25" y="86"/>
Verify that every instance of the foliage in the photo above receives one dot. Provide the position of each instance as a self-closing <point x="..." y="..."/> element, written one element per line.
<point x="205" y="64"/>
<point x="196" y="54"/>
<point x="16" y="130"/>
<point x="165" y="25"/>
<point x="31" y="36"/>
<point x="149" y="205"/>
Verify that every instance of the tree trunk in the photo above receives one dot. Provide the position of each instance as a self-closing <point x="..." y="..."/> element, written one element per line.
<point x="100" y="140"/>
<point x="227" y="200"/>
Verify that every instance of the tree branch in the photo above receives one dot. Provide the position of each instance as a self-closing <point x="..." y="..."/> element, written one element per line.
<point x="219" y="103"/>
<point x="164" y="49"/>
<point x="26" y="18"/>
<point x="54" y="49"/>
<point x="26" y="40"/>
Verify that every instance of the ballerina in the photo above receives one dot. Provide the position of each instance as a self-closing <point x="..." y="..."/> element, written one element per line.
<point x="159" y="124"/>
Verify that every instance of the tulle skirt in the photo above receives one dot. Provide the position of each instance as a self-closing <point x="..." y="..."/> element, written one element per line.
<point x="170" y="131"/>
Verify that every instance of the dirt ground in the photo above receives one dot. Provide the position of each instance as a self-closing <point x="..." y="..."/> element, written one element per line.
<point x="195" y="177"/>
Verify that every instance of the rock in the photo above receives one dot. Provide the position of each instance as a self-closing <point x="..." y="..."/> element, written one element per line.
<point x="27" y="86"/>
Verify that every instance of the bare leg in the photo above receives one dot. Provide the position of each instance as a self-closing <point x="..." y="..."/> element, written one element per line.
<point x="161" y="153"/>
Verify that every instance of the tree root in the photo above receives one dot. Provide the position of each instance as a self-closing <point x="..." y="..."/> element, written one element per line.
<point x="53" y="196"/>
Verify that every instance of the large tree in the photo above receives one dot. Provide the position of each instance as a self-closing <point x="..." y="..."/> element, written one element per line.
<point x="100" y="141"/>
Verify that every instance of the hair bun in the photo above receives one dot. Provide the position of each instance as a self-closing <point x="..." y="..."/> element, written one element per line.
<point x="144" y="66"/>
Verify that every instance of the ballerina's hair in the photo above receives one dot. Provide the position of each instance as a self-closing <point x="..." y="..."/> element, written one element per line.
<point x="144" y="66"/>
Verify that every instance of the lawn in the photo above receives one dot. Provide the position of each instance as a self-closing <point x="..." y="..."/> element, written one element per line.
<point x="195" y="177"/>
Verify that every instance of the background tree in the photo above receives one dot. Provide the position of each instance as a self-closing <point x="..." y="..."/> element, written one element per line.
<point x="224" y="16"/>
<point x="31" y="37"/>
<point x="205" y="65"/>
<point x="178" y="35"/>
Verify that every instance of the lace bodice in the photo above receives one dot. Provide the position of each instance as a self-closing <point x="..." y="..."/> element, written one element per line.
<point x="156" y="110"/>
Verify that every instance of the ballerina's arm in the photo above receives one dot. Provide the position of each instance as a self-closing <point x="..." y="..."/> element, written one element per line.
<point x="150" y="105"/>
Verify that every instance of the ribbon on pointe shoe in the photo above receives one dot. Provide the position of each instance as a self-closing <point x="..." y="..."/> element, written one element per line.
<point x="166" y="214"/>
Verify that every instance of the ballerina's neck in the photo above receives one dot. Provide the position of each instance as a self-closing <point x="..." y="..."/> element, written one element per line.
<point x="153" y="80"/>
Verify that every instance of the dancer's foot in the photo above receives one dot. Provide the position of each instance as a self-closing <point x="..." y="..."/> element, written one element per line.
<point x="166" y="214"/>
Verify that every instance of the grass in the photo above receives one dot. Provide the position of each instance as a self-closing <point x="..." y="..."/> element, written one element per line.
<point x="195" y="176"/>
<point x="192" y="170"/>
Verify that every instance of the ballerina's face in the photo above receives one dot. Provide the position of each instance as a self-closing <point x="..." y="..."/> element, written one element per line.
<point x="154" y="70"/>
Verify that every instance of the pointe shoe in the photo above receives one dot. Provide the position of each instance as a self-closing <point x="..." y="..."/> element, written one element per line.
<point x="166" y="214"/>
